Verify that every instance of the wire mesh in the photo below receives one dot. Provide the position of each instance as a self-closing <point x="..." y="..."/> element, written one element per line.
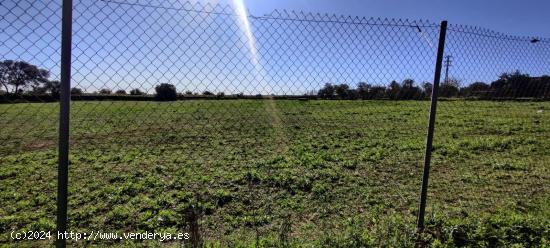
<point x="280" y="128"/>
<point x="29" y="70"/>
<point x="491" y="132"/>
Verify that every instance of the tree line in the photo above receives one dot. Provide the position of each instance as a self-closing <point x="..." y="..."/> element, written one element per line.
<point x="508" y="85"/>
<point x="18" y="78"/>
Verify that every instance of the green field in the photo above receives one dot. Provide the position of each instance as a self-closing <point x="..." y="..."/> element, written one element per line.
<point x="283" y="172"/>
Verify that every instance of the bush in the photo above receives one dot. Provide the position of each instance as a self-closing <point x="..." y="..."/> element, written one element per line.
<point x="76" y="91"/>
<point x="136" y="92"/>
<point x="475" y="89"/>
<point x="166" y="92"/>
<point x="120" y="92"/>
<point x="327" y="91"/>
<point x="105" y="91"/>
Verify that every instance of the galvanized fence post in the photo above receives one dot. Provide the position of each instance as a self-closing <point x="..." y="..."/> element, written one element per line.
<point x="431" y="125"/>
<point x="64" y="112"/>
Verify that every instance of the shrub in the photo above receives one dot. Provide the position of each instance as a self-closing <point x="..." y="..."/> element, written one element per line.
<point x="53" y="88"/>
<point x="76" y="91"/>
<point x="136" y="92"/>
<point x="342" y="91"/>
<point x="166" y="92"/>
<point x="105" y="91"/>
<point x="327" y="91"/>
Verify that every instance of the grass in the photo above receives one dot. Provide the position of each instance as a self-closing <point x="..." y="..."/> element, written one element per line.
<point x="283" y="173"/>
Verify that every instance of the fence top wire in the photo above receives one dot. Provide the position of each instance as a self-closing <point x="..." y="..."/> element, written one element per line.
<point x="488" y="33"/>
<point x="301" y="16"/>
<point x="283" y="15"/>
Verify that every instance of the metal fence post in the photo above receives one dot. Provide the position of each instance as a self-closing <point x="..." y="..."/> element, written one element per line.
<point x="64" y="112"/>
<point x="431" y="124"/>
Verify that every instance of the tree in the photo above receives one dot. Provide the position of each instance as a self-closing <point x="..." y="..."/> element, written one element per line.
<point x="166" y="92"/>
<point x="427" y="87"/>
<point x="4" y="75"/>
<point x="207" y="93"/>
<point x="541" y="86"/>
<point x="53" y="88"/>
<point x="479" y="86"/>
<point x="407" y="83"/>
<point x="393" y="90"/>
<point x="342" y="91"/>
<point x="449" y="88"/>
<point x="105" y="91"/>
<point x="189" y="93"/>
<point x="49" y="87"/>
<point x="76" y="91"/>
<point x="120" y="92"/>
<point x="363" y="90"/>
<point x="476" y="89"/>
<point x="409" y="91"/>
<point x="515" y="84"/>
<point x="377" y="92"/>
<point x="136" y="92"/>
<point x="327" y="91"/>
<point x="39" y="90"/>
<point x="19" y="75"/>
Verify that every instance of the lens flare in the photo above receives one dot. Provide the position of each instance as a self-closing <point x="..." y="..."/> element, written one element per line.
<point x="244" y="23"/>
<point x="260" y="76"/>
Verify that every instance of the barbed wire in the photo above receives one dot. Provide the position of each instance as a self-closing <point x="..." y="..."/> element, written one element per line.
<point x="306" y="17"/>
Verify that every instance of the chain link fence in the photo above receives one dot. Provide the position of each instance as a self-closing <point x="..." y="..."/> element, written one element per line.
<point x="492" y="124"/>
<point x="285" y="128"/>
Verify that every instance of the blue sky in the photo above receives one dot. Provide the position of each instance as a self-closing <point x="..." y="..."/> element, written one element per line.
<point x="518" y="17"/>
<point x="125" y="46"/>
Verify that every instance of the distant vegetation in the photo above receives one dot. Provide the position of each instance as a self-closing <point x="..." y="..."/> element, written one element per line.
<point x="166" y="92"/>
<point x="20" y="79"/>
<point x="76" y="91"/>
<point x="136" y="92"/>
<point x="17" y="76"/>
<point x="120" y="92"/>
<point x="508" y="85"/>
<point x="105" y="91"/>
